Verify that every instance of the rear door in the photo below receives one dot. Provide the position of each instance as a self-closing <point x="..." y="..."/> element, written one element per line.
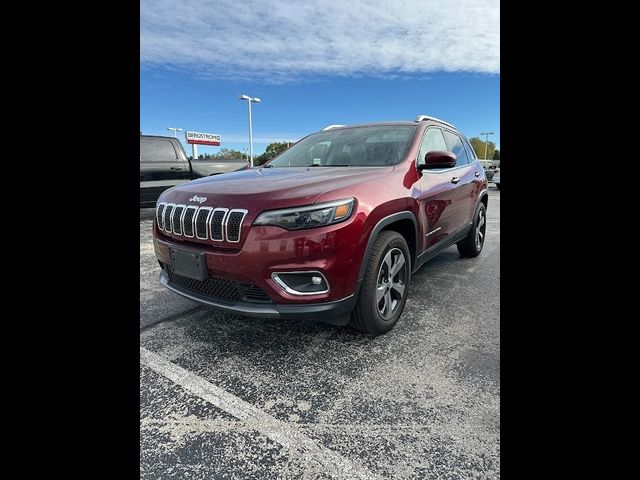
<point x="464" y="177"/>
<point x="161" y="167"/>
<point x="479" y="182"/>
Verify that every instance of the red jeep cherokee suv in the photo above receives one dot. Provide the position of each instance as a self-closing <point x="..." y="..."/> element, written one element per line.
<point x="331" y="229"/>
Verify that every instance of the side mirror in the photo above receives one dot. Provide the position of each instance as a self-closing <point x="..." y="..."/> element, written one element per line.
<point x="438" y="159"/>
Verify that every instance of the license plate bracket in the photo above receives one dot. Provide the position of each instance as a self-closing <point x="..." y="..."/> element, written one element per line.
<point x="188" y="264"/>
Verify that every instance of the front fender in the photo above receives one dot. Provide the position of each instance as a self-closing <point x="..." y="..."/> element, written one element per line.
<point x="380" y="226"/>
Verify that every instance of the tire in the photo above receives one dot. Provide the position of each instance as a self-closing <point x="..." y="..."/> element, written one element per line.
<point x="371" y="314"/>
<point x="472" y="245"/>
<point x="498" y="186"/>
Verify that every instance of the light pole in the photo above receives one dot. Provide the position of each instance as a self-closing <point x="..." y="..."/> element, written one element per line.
<point x="249" y="101"/>
<point x="175" y="130"/>
<point x="486" y="142"/>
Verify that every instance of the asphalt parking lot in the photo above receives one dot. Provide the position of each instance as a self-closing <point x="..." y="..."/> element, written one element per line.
<point x="223" y="396"/>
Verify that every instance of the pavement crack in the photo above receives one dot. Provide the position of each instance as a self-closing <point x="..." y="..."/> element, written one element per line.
<point x="170" y="318"/>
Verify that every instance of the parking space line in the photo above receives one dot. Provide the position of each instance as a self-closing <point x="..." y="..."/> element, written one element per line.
<point x="285" y="434"/>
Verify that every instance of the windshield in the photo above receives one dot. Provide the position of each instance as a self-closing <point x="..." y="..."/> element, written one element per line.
<point x="375" y="146"/>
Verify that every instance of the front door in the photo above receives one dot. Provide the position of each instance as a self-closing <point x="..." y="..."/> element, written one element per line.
<point x="439" y="195"/>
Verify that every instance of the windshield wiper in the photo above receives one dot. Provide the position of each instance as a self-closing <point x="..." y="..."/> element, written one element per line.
<point x="335" y="165"/>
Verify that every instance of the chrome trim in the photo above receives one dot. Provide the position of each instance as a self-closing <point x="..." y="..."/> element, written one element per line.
<point x="193" y="220"/>
<point x="226" y="222"/>
<point x="173" y="212"/>
<point x="421" y="118"/>
<point x="209" y="223"/>
<point x="242" y="307"/>
<point x="329" y="127"/>
<point x="290" y="290"/>
<point x="170" y="229"/>
<point x="306" y="208"/>
<point x="161" y="216"/>
<point x="206" y="223"/>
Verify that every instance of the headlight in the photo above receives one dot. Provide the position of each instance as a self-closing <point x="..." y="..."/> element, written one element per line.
<point x="310" y="216"/>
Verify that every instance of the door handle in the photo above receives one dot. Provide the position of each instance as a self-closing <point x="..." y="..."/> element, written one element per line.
<point x="455" y="179"/>
<point x="477" y="174"/>
<point x="176" y="168"/>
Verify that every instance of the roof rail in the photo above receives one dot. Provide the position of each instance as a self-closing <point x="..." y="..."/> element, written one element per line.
<point x="329" y="127"/>
<point x="420" y="118"/>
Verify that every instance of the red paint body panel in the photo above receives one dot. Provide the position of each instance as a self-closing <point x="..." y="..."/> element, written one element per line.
<point x="439" y="206"/>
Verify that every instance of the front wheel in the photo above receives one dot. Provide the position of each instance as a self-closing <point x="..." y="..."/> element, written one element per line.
<point x="472" y="245"/>
<point x="385" y="285"/>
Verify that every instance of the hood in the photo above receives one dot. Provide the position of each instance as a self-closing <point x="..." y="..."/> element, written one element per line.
<point x="269" y="188"/>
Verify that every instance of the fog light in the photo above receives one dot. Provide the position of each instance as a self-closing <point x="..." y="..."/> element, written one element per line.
<point x="301" y="283"/>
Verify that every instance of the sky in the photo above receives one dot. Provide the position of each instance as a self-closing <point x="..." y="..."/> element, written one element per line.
<point x="316" y="63"/>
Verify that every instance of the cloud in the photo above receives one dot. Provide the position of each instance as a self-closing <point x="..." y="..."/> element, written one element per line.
<point x="283" y="40"/>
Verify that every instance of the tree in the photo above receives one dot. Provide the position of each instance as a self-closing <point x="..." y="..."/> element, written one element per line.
<point x="271" y="151"/>
<point x="478" y="147"/>
<point x="226" y="154"/>
<point x="259" y="160"/>
<point x="275" y="148"/>
<point x="496" y="155"/>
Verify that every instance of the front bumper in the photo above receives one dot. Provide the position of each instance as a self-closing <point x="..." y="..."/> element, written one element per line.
<point x="335" y="312"/>
<point x="336" y="251"/>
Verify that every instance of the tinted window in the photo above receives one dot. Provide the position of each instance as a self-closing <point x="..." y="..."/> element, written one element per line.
<point x="470" y="153"/>
<point x="433" y="140"/>
<point x="156" y="150"/>
<point x="457" y="147"/>
<point x="357" y="146"/>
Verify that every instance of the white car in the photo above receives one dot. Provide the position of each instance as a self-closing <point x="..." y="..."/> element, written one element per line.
<point x="496" y="178"/>
<point x="489" y="169"/>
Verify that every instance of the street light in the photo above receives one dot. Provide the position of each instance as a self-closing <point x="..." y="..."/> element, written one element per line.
<point x="486" y="142"/>
<point x="249" y="101"/>
<point x="175" y="129"/>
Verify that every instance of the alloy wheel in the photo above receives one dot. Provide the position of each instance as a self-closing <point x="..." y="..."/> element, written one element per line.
<point x="391" y="284"/>
<point x="481" y="229"/>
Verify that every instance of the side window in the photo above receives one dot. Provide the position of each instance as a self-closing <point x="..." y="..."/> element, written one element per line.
<point x="433" y="140"/>
<point x="470" y="152"/>
<point x="457" y="147"/>
<point x="157" y="150"/>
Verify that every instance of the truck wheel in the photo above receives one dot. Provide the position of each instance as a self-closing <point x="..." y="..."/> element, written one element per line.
<point x="472" y="245"/>
<point x="498" y="186"/>
<point x="385" y="285"/>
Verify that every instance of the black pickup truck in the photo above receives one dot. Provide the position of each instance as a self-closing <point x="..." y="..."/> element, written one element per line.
<point x="164" y="164"/>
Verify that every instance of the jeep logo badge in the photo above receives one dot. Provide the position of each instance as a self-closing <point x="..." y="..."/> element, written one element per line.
<point x="198" y="199"/>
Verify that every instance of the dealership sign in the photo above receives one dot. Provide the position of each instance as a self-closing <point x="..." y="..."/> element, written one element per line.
<point x="199" y="138"/>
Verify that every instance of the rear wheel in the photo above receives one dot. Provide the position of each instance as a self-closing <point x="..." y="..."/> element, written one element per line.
<point x="472" y="245"/>
<point x="385" y="285"/>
